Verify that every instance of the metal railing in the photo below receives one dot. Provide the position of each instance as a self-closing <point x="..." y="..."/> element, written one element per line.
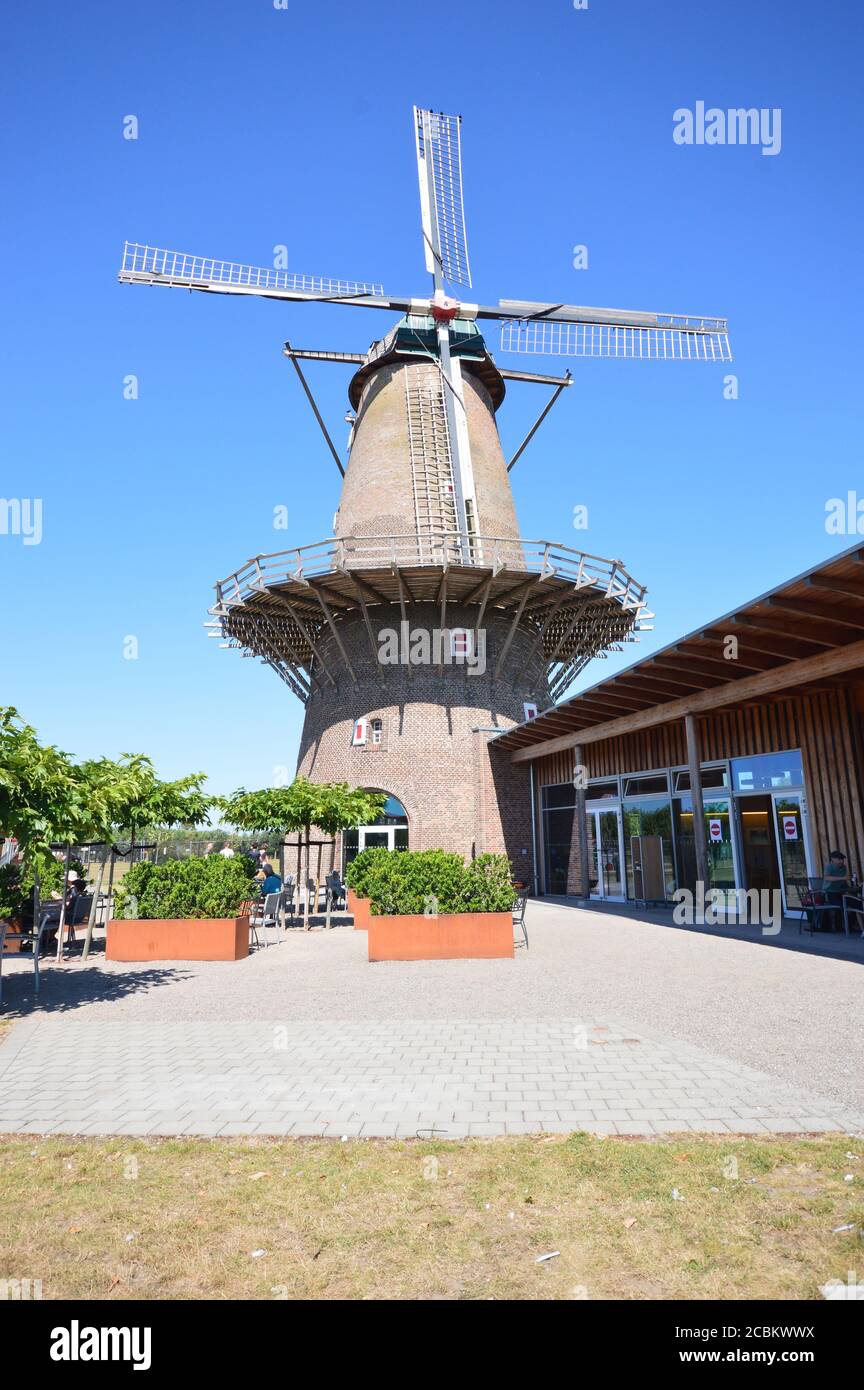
<point x="434" y="550"/>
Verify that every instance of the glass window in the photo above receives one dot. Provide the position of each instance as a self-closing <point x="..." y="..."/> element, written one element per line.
<point x="770" y="771"/>
<point x="646" y="786"/>
<point x="650" y="824"/>
<point x="377" y="730"/>
<point x="711" y="777"/>
<point x="601" y="791"/>
<point x="563" y="794"/>
<point x="558" y="843"/>
<point x="718" y="834"/>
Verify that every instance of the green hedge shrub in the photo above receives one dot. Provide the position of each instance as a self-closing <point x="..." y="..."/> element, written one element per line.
<point x="362" y="868"/>
<point x="433" y="882"/>
<point x="182" y="888"/>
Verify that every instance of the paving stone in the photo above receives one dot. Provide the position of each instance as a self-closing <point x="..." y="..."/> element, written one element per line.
<point x="389" y="1078"/>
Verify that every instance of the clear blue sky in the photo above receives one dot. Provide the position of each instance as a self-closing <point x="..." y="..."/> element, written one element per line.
<point x="261" y="126"/>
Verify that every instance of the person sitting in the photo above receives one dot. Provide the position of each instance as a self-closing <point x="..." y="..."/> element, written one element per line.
<point x="835" y="880"/>
<point x="271" y="882"/>
<point x="335" y="887"/>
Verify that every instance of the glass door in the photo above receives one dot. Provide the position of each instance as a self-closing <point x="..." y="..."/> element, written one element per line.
<point x="604" y="854"/>
<point x="791" y="846"/>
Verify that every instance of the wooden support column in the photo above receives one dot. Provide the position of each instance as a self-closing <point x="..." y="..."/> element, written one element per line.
<point x="700" y="840"/>
<point x="581" y="829"/>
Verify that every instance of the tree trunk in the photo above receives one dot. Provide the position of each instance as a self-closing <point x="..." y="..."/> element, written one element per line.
<point x="37" y="906"/>
<point x="97" y="889"/>
<point x="318" y="878"/>
<point x="62" y="926"/>
<point x="306" y="885"/>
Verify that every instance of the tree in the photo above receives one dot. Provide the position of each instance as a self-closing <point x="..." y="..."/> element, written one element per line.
<point x="134" y="800"/>
<point x="295" y="809"/>
<point x="44" y="799"/>
<point x="341" y="807"/>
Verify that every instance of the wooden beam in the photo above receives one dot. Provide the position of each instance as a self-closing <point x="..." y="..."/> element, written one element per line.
<point x="295" y="617"/>
<point x="400" y="583"/>
<point x="700" y="841"/>
<point x="329" y="616"/>
<point x="853" y="588"/>
<point x="793" y="673"/>
<point x="483" y="586"/>
<point x="581" y="827"/>
<point x="652" y="685"/>
<point x="442" y="599"/>
<point x="538" y="640"/>
<point x="623" y="701"/>
<point x="837" y="616"/>
<point x="675" y="675"/>
<point x="773" y="640"/>
<point x="705" y="662"/>
<point x="363" y="586"/>
<point x="375" y="654"/>
<point x="513" y="626"/>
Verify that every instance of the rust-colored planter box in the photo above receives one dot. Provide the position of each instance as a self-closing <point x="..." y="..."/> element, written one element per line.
<point x="209" y="938"/>
<point x="359" y="909"/>
<point x="452" y="936"/>
<point x="12" y="942"/>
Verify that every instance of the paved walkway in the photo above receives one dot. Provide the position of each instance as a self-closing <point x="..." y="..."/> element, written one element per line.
<point x="605" y="1024"/>
<point x="383" y="1078"/>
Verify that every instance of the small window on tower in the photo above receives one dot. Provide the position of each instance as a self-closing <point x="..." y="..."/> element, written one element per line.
<point x="460" y="643"/>
<point x="377" y="727"/>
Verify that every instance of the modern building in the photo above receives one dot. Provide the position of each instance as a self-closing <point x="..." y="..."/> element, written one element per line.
<point x="732" y="756"/>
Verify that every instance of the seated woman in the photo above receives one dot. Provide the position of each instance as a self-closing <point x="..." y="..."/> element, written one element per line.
<point x="271" y="882"/>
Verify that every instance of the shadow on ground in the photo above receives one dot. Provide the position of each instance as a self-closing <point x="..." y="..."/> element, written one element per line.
<point x="834" y="945"/>
<point x="63" y="989"/>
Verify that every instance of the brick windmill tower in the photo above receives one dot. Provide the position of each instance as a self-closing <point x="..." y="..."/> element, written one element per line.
<point x="426" y="623"/>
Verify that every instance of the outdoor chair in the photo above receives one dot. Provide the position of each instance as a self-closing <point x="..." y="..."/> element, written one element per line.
<point x="49" y="918"/>
<point x="519" y="918"/>
<point x="286" y="903"/>
<point x="312" y="896"/>
<point x="76" y="916"/>
<point x="853" y="906"/>
<point x="813" y="903"/>
<point x="264" y="914"/>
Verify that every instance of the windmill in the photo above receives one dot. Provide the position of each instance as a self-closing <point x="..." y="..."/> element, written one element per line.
<point x="426" y="538"/>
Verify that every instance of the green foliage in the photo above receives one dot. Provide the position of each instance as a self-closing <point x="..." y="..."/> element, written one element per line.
<point x="333" y="806"/>
<point x="16" y="884"/>
<point x="431" y="881"/>
<point x="47" y="799"/>
<point x="209" y="886"/>
<point x="361" y="870"/>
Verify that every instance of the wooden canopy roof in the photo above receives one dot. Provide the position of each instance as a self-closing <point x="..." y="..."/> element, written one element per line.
<point x="807" y="632"/>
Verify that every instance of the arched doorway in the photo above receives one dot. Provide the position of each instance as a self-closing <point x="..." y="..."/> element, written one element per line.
<point x="389" y="831"/>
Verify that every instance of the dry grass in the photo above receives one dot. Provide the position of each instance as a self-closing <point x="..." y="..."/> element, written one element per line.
<point x="169" y="1218"/>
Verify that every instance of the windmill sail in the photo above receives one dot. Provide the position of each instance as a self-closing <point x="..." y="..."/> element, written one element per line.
<point x="439" y="171"/>
<point x="670" y="343"/>
<point x="151" y="265"/>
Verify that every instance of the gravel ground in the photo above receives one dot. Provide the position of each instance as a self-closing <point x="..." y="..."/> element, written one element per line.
<point x="793" y="1014"/>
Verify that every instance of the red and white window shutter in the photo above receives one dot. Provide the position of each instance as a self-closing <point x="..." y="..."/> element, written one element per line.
<point x="359" y="737"/>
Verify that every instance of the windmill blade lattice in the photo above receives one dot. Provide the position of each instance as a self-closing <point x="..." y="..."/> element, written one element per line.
<point x="152" y="265"/>
<point x="557" y="339"/>
<point x="439" y="165"/>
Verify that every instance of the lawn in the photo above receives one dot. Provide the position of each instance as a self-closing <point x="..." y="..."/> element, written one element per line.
<point x="307" y="1218"/>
